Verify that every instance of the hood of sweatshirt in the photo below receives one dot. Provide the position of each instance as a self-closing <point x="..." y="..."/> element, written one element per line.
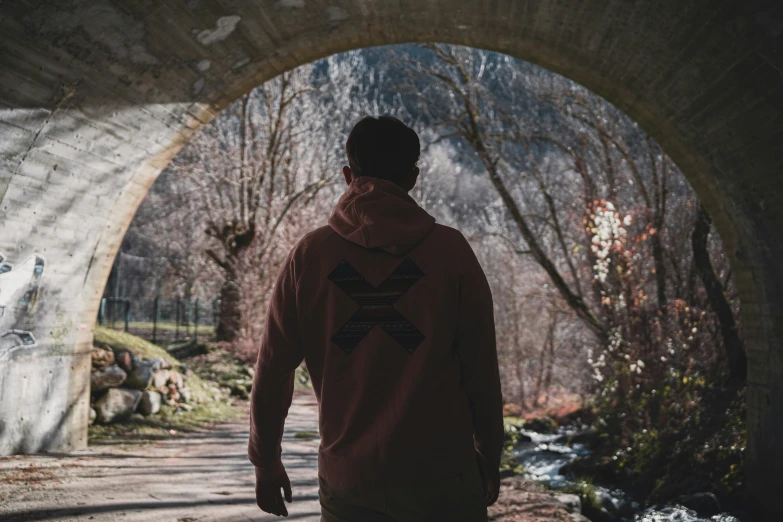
<point x="376" y="213"/>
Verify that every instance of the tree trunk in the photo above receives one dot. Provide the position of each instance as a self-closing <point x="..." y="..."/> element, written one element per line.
<point x="230" y="316"/>
<point x="660" y="265"/>
<point x="731" y="339"/>
<point x="550" y="360"/>
<point x="544" y="367"/>
<point x="540" y="378"/>
<point x="521" y="398"/>
<point x="574" y="301"/>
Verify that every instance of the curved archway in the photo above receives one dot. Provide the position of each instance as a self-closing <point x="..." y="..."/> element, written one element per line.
<point x="97" y="96"/>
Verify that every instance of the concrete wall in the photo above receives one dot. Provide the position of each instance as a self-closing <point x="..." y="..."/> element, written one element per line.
<point x="96" y="96"/>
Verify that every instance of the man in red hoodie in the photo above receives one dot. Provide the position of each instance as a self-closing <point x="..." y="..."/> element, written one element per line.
<point x="393" y="316"/>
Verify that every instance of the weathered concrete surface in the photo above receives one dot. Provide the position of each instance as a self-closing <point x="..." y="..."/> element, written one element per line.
<point x="200" y="476"/>
<point x="97" y="95"/>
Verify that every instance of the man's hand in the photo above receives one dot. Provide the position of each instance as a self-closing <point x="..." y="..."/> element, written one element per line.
<point x="268" y="495"/>
<point x="491" y="480"/>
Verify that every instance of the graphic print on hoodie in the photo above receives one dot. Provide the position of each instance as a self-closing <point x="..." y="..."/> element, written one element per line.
<point x="393" y="317"/>
<point x="376" y="305"/>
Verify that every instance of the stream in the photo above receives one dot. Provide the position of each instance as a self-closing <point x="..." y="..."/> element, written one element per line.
<point x="545" y="455"/>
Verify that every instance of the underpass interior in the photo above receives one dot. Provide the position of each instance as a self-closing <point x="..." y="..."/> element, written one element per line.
<point x="97" y="97"/>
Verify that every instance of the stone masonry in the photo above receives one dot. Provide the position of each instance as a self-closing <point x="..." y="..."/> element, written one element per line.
<point x="96" y="96"/>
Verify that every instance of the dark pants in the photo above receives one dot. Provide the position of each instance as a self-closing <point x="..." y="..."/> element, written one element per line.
<point x="458" y="498"/>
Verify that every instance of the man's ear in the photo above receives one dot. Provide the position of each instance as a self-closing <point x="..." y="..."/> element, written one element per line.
<point x="410" y="181"/>
<point x="348" y="174"/>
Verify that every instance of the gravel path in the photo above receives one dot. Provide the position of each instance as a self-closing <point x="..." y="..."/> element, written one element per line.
<point x="202" y="476"/>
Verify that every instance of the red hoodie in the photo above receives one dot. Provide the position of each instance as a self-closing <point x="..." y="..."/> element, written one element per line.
<point x="393" y="316"/>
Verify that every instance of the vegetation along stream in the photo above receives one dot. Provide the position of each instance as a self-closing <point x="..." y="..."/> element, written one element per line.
<point x="544" y="457"/>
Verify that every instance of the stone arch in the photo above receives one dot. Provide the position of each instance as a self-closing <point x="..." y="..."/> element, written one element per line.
<point x="97" y="96"/>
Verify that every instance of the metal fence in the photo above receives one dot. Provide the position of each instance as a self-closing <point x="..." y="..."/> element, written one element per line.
<point x="161" y="320"/>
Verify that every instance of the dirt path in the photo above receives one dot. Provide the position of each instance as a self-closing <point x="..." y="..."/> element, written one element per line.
<point x="194" y="477"/>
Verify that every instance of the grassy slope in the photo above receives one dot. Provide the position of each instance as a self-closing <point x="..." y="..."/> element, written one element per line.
<point x="133" y="344"/>
<point x="205" y="329"/>
<point x="210" y="404"/>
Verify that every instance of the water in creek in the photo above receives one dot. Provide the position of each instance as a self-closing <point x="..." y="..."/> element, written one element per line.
<point x="545" y="455"/>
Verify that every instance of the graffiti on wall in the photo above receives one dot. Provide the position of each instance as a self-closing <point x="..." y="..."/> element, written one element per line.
<point x="19" y="286"/>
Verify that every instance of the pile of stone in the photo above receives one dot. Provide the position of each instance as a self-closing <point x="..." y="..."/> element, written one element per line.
<point x="239" y="385"/>
<point x="123" y="383"/>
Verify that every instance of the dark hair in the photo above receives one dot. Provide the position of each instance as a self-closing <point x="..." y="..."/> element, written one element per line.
<point x="382" y="147"/>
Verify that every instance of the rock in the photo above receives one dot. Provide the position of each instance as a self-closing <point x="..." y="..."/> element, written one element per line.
<point x="116" y="404"/>
<point x="705" y="504"/>
<point x="239" y="389"/>
<point x="627" y="508"/>
<point x="150" y="403"/>
<point x="185" y="370"/>
<point x="93" y="414"/>
<point x="186" y="394"/>
<point x="141" y="375"/>
<point x="173" y="394"/>
<point x="514" y="435"/>
<point x="589" y="438"/>
<point x="109" y="377"/>
<point x="176" y="379"/>
<point x="124" y="360"/>
<point x="160" y="379"/>
<point x="157" y="363"/>
<point x="590" y="466"/>
<point x="606" y="502"/>
<point x="101" y="357"/>
<point x="579" y="419"/>
<point x="578" y="517"/>
<point x="521" y="438"/>
<point x="572" y="503"/>
<point x="541" y="425"/>
<point x="188" y="349"/>
<point x="250" y="371"/>
<point x="604" y="510"/>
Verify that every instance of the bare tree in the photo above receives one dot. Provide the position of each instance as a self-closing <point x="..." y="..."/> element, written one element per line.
<point x="460" y="103"/>
<point x="593" y="201"/>
<point x="715" y="293"/>
<point x="245" y="171"/>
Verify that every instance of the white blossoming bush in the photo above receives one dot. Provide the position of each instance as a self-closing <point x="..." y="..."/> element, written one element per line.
<point x="656" y="370"/>
<point x="643" y="341"/>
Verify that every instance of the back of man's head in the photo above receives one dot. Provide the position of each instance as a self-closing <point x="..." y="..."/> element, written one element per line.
<point x="382" y="147"/>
